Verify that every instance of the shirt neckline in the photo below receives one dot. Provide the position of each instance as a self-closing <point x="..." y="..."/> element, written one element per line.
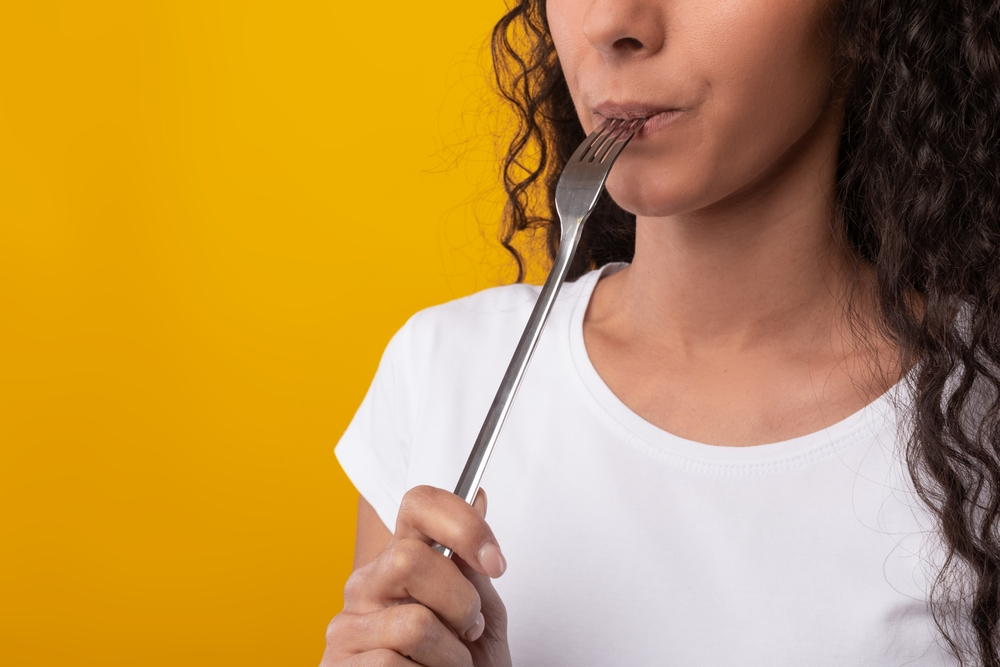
<point x="756" y="458"/>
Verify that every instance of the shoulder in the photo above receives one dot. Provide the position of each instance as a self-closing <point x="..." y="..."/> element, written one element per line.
<point x="475" y="322"/>
<point x="481" y="312"/>
<point x="478" y="331"/>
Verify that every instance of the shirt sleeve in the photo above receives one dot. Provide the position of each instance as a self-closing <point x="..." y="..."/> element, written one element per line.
<point x="375" y="449"/>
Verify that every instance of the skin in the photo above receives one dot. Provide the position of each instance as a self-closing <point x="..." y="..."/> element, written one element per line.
<point x="405" y="604"/>
<point x="729" y="327"/>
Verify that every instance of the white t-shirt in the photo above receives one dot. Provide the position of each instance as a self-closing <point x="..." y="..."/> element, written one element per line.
<point x="627" y="545"/>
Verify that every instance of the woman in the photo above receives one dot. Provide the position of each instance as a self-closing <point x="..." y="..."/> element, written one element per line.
<point x="770" y="438"/>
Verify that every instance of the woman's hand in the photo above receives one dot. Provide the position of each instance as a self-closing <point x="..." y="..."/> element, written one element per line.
<point x="411" y="605"/>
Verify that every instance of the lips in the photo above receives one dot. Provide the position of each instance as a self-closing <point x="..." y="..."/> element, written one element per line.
<point x="656" y="116"/>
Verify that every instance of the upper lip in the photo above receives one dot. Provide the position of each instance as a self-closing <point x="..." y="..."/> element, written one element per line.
<point x="629" y="110"/>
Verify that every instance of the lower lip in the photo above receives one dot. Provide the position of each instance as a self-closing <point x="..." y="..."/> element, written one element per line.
<point x="657" y="122"/>
<point x="653" y="123"/>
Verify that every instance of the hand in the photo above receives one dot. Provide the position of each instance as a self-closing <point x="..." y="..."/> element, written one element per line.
<point x="413" y="606"/>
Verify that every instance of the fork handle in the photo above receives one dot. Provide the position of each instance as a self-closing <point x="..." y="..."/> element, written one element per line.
<point x="468" y="483"/>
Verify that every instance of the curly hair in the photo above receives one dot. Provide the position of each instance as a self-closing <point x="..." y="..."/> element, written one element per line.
<point x="918" y="200"/>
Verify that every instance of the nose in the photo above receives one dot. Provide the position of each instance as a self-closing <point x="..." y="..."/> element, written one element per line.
<point x="624" y="28"/>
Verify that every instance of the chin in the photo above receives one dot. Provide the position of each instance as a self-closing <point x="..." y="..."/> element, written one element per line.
<point x="645" y="193"/>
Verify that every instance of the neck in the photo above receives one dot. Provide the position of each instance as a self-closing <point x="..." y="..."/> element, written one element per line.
<point x="759" y="268"/>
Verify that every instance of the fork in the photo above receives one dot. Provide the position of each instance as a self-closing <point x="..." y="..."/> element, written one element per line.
<point x="579" y="186"/>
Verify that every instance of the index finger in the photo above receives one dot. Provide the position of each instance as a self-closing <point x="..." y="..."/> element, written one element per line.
<point x="432" y="514"/>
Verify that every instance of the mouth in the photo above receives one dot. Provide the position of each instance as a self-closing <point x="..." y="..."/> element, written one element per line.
<point x="656" y="117"/>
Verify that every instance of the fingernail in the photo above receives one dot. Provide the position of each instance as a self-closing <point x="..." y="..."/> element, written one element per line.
<point x="480" y="502"/>
<point x="476" y="631"/>
<point x="492" y="560"/>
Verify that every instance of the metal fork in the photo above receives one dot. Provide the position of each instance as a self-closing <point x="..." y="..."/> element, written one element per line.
<point x="576" y="195"/>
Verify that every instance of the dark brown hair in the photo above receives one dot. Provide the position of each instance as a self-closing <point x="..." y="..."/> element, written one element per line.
<point x="918" y="199"/>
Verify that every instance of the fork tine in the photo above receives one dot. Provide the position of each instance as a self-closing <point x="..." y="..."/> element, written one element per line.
<point x="607" y="138"/>
<point x="613" y="148"/>
<point x="618" y="134"/>
<point x="589" y="142"/>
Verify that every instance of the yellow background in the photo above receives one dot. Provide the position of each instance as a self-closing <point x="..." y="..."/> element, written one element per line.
<point x="213" y="216"/>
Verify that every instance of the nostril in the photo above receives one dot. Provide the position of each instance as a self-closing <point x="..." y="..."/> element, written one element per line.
<point x="628" y="44"/>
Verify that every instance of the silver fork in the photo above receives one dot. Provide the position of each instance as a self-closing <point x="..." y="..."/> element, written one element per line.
<point x="576" y="194"/>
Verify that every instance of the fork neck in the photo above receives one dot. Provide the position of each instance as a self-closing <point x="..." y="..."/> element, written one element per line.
<point x="569" y="240"/>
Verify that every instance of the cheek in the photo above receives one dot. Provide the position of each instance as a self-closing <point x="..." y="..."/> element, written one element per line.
<point x="768" y="63"/>
<point x="565" y="20"/>
<point x="762" y="71"/>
